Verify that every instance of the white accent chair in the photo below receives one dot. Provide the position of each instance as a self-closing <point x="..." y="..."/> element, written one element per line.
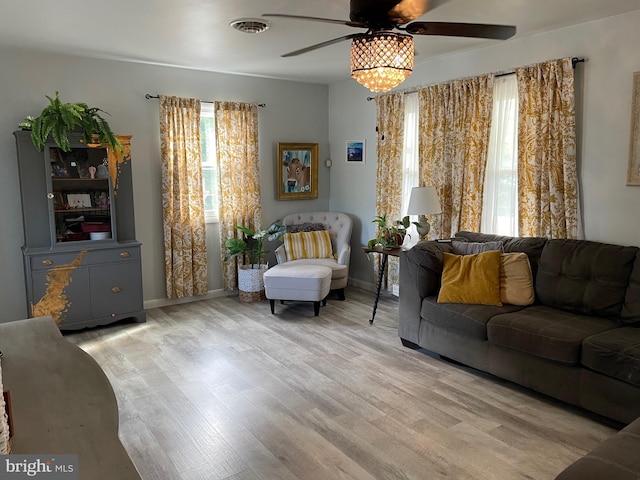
<point x="339" y="226"/>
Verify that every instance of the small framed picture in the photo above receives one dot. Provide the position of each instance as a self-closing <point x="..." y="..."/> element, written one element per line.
<point x="79" y="200"/>
<point x="355" y="152"/>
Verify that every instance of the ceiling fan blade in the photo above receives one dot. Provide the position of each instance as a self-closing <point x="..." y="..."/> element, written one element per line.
<point x="449" y="29"/>
<point x="320" y="45"/>
<point x="386" y="13"/>
<point x="317" y="19"/>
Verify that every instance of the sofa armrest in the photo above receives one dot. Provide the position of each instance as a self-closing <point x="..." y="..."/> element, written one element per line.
<point x="420" y="272"/>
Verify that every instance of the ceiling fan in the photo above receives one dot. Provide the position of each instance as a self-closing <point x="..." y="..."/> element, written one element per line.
<point x="382" y="58"/>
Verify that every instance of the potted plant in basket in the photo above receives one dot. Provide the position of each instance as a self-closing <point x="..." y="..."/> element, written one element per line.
<point x="251" y="249"/>
<point x="390" y="234"/>
<point x="60" y="119"/>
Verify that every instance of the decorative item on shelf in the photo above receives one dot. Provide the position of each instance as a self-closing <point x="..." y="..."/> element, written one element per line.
<point x="423" y="201"/>
<point x="389" y="234"/>
<point x="60" y="119"/>
<point x="102" y="171"/>
<point x="251" y="248"/>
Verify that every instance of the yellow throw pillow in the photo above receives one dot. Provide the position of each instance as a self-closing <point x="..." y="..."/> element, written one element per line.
<point x="315" y="244"/>
<point x="473" y="279"/>
<point x="516" y="280"/>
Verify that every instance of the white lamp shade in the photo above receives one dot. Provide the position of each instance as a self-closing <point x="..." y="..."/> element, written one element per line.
<point x="423" y="201"/>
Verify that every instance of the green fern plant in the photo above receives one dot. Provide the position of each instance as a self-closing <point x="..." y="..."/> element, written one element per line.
<point x="60" y="119"/>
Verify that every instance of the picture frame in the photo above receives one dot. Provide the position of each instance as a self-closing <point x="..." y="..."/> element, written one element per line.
<point x="297" y="167"/>
<point x="633" y="169"/>
<point x="355" y="152"/>
<point x="79" y="200"/>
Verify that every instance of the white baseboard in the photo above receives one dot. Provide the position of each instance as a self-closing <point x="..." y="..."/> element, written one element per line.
<point x="362" y="284"/>
<point x="165" y="302"/>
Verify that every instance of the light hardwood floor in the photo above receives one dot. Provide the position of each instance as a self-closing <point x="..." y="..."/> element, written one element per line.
<point x="220" y="389"/>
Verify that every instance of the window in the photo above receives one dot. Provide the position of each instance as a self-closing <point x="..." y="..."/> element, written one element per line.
<point x="500" y="201"/>
<point x="209" y="164"/>
<point x="410" y="159"/>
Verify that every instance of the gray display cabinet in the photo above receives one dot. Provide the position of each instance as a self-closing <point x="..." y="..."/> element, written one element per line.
<point x="81" y="258"/>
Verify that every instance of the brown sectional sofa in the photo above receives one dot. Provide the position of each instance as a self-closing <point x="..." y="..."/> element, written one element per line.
<point x="579" y="342"/>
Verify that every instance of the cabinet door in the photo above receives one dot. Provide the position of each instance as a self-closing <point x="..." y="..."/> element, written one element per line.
<point x="116" y="289"/>
<point x="81" y="195"/>
<point x="62" y="293"/>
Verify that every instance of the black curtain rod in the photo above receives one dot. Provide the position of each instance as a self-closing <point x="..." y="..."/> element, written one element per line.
<point x="574" y="61"/>
<point x="149" y="96"/>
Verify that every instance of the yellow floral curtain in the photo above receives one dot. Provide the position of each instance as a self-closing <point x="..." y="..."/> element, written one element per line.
<point x="390" y="121"/>
<point x="455" y="126"/>
<point x="238" y="176"/>
<point x="547" y="177"/>
<point x="185" y="249"/>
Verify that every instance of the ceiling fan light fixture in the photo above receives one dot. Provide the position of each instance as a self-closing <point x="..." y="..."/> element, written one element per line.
<point x="382" y="60"/>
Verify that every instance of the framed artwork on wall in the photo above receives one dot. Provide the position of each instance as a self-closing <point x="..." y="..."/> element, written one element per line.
<point x="297" y="167"/>
<point x="633" y="171"/>
<point x="355" y="152"/>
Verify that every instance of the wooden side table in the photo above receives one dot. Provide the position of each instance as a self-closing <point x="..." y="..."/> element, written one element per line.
<point x="386" y="253"/>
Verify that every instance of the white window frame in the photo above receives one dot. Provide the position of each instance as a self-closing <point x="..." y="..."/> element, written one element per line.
<point x="209" y="162"/>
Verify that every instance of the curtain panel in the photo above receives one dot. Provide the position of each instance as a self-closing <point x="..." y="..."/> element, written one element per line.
<point x="238" y="176"/>
<point x="184" y="229"/>
<point x="547" y="176"/>
<point x="390" y="121"/>
<point x="455" y="126"/>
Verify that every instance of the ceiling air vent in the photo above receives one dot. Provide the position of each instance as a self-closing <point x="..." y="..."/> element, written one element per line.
<point x="250" y="25"/>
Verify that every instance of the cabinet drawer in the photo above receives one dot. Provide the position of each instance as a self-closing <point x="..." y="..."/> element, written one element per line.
<point x="116" y="289"/>
<point x="53" y="260"/>
<point x="113" y="255"/>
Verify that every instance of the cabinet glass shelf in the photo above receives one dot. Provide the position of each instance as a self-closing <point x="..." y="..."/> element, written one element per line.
<point x="81" y="195"/>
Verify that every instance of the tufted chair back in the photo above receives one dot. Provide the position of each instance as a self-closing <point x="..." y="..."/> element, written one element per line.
<point x="339" y="226"/>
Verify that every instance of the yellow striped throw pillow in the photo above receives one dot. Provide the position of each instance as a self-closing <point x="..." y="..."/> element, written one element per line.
<point x="315" y="244"/>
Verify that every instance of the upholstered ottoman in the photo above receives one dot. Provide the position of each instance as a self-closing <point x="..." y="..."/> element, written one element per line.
<point x="305" y="283"/>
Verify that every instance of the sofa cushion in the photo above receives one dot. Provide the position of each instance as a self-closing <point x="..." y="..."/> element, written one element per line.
<point x="516" y="282"/>
<point x="586" y="277"/>
<point x="615" y="353"/>
<point x="631" y="308"/>
<point x="471" y="279"/>
<point x="470" y="248"/>
<point x="546" y="332"/>
<point x="615" y="459"/>
<point x="468" y="320"/>
<point x="532" y="246"/>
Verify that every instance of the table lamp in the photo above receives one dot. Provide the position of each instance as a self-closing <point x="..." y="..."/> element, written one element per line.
<point x="423" y="201"/>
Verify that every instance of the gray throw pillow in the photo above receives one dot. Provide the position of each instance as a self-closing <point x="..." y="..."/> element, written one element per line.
<point x="305" y="227"/>
<point x="471" y="248"/>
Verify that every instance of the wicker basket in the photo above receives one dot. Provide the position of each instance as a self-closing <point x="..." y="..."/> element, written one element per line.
<point x="251" y="283"/>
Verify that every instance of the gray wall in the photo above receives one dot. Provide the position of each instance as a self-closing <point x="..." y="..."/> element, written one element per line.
<point x="610" y="209"/>
<point x="295" y="112"/>
<point x="298" y="112"/>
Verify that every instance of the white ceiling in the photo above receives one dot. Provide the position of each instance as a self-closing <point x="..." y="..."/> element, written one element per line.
<point x="196" y="33"/>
